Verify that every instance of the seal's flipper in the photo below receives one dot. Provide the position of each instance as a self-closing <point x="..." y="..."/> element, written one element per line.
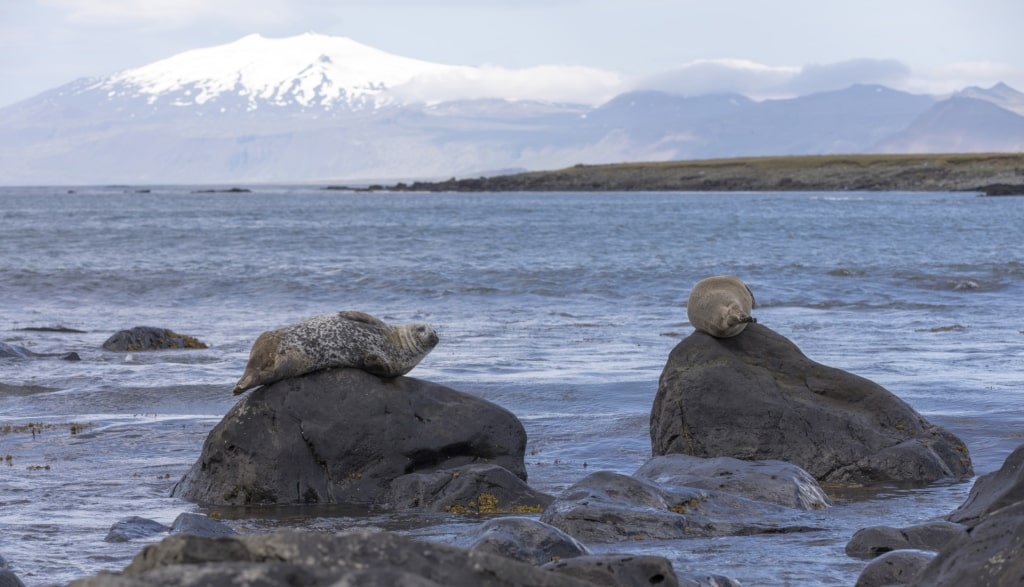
<point x="363" y="317"/>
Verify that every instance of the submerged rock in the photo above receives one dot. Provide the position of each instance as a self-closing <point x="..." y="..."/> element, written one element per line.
<point x="200" y="525"/>
<point x="343" y="436"/>
<point x="607" y="507"/>
<point x="149" y="338"/>
<point x="756" y="396"/>
<point x="769" y="481"/>
<point x="523" y="539"/>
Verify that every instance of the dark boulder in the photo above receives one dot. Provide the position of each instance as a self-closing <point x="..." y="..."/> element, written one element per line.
<point x="894" y="568"/>
<point x="769" y="481"/>
<point x="13" y="351"/>
<point x="993" y="491"/>
<point x="149" y="338"/>
<point x="878" y="540"/>
<point x="7" y="576"/>
<point x="200" y="525"/>
<point x="755" y="396"/>
<point x="476" y="489"/>
<point x="990" y="553"/>
<point x="523" y="539"/>
<point x="312" y="559"/>
<point x="608" y="507"/>
<point x="611" y="570"/>
<point x="134" y="527"/>
<point x="343" y="436"/>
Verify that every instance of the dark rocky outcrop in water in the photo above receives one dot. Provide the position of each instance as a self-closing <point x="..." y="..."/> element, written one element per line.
<point x="607" y="507"/>
<point x="523" y="539"/>
<point x="878" y="540"/>
<point x="7" y="576"/>
<point x="344" y="436"/>
<point x="315" y="559"/>
<point x="149" y="338"/>
<point x="134" y="527"/>
<point x="769" y="481"/>
<point x="989" y="550"/>
<point x="756" y="396"/>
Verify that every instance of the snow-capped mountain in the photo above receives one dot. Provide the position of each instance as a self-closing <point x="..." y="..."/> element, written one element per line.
<point x="309" y="70"/>
<point x="314" y="108"/>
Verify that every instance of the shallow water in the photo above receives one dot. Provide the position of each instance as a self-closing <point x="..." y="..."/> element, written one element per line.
<point x="559" y="307"/>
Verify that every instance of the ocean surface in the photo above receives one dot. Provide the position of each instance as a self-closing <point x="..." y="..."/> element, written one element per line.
<point x="560" y="307"/>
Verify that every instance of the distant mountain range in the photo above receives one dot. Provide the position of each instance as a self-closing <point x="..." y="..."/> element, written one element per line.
<point x="314" y="108"/>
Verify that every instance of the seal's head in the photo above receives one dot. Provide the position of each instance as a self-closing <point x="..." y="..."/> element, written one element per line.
<point x="421" y="337"/>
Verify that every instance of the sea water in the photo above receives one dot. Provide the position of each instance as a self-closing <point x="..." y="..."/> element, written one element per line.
<point x="560" y="307"/>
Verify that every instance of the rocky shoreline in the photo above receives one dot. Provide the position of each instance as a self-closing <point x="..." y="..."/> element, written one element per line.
<point x="987" y="173"/>
<point x="748" y="458"/>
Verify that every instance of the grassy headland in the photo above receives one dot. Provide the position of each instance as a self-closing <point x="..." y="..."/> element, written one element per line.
<point x="991" y="173"/>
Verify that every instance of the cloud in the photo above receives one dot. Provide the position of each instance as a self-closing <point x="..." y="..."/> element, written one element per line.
<point x="718" y="76"/>
<point x="836" y="76"/>
<point x="550" y="83"/>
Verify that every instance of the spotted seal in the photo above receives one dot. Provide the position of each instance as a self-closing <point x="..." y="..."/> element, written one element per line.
<point x="344" y="339"/>
<point x="720" y="306"/>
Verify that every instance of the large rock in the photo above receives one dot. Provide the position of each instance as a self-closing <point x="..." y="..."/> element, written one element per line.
<point x="893" y="568"/>
<point x="611" y="570"/>
<point x="342" y="436"/>
<point x="769" y="481"/>
<point x="606" y="507"/>
<point x="994" y="491"/>
<point x="755" y="396"/>
<point x="288" y="557"/>
<point x="990" y="553"/>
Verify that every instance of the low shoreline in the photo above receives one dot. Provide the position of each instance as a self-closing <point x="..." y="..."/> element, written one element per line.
<point x="987" y="173"/>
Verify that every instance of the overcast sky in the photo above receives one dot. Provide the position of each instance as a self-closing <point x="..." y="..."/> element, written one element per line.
<point x="751" y="46"/>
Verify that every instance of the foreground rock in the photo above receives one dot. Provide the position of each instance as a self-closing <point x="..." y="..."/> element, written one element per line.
<point x="344" y="435"/>
<point x="149" y="338"/>
<point x="619" y="570"/>
<point x="769" y="481"/>
<point x="316" y="559"/>
<point x="7" y="576"/>
<point x="989" y="551"/>
<point x="755" y="396"/>
<point x="607" y="507"/>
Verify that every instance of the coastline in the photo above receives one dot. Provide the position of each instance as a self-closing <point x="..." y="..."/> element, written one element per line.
<point x="987" y="173"/>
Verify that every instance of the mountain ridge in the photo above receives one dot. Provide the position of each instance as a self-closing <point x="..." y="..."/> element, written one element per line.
<point x="314" y="108"/>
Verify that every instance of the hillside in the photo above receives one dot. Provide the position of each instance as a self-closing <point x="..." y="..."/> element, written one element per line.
<point x="997" y="174"/>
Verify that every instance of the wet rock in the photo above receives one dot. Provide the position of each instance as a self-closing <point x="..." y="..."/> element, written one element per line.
<point x="134" y="527"/>
<point x="894" y="568"/>
<point x="480" y="489"/>
<point x="756" y="396"/>
<point x="72" y="356"/>
<point x="343" y="436"/>
<point x="149" y="338"/>
<point x="612" y="570"/>
<point x="12" y="351"/>
<point x="200" y="525"/>
<point x="608" y="507"/>
<point x="523" y="539"/>
<point x="877" y="540"/>
<point x="993" y="491"/>
<point x="693" y="579"/>
<point x="993" y="549"/>
<point x="291" y="557"/>
<point x="769" y="481"/>
<point x="7" y="576"/>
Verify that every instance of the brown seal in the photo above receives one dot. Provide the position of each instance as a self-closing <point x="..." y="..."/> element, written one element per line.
<point x="344" y="339"/>
<point x="720" y="306"/>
